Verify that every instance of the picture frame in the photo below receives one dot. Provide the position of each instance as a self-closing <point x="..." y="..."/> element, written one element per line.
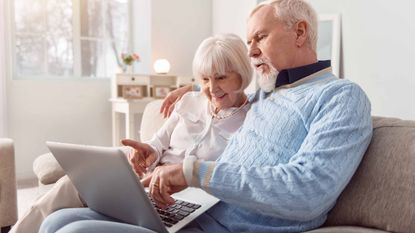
<point x="133" y="91"/>
<point x="329" y="39"/>
<point x="160" y="91"/>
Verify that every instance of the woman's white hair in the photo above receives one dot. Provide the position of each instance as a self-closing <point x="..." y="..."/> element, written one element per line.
<point x="293" y="11"/>
<point x="220" y="54"/>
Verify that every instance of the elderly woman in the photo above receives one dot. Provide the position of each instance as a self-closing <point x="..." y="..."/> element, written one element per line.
<point x="203" y="121"/>
<point x="200" y="125"/>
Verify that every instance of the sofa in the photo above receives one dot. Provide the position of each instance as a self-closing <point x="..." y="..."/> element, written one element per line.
<point x="8" y="196"/>
<point x="381" y="195"/>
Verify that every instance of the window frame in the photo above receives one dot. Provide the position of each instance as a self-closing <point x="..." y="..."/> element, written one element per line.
<point x="76" y="43"/>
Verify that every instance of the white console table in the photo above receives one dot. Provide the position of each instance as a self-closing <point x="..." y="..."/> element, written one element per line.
<point x="130" y="108"/>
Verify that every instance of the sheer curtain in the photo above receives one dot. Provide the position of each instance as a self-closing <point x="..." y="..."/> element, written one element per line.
<point x="3" y="54"/>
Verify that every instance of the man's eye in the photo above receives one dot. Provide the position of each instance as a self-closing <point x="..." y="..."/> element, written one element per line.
<point x="260" y="37"/>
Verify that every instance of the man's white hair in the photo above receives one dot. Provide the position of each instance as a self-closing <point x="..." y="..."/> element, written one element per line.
<point x="220" y="54"/>
<point x="293" y="11"/>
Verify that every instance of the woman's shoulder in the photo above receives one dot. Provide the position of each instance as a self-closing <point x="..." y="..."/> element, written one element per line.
<point x="191" y="102"/>
<point x="192" y="98"/>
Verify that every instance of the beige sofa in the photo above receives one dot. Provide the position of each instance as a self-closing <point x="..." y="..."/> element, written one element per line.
<point x="381" y="196"/>
<point x="8" y="198"/>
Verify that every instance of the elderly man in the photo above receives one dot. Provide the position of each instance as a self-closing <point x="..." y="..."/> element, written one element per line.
<point x="300" y="143"/>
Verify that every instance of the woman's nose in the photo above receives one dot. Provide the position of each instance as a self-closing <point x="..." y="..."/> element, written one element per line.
<point x="213" y="85"/>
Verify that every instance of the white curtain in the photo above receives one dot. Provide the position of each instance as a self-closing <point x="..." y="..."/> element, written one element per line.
<point x="3" y="55"/>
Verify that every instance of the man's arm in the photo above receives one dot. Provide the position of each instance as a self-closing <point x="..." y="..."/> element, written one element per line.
<point x="308" y="185"/>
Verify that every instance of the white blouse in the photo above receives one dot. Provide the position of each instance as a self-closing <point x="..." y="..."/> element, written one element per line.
<point x="192" y="130"/>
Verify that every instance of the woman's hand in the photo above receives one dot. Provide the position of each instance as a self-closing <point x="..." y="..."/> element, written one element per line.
<point x="171" y="99"/>
<point x="164" y="181"/>
<point x="141" y="157"/>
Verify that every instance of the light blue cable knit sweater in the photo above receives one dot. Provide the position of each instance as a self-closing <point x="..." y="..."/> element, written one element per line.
<point x="296" y="151"/>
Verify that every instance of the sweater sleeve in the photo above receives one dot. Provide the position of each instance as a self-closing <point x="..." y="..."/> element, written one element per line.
<point x="309" y="184"/>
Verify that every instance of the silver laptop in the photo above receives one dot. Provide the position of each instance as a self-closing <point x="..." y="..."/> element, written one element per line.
<point x="107" y="183"/>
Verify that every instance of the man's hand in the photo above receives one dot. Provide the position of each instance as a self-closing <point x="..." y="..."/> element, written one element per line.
<point x="142" y="157"/>
<point x="171" y="99"/>
<point x="164" y="181"/>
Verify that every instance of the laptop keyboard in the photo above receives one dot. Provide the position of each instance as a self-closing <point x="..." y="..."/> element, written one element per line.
<point x="174" y="213"/>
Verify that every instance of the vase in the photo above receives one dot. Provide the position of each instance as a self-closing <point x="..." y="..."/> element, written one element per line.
<point x="128" y="69"/>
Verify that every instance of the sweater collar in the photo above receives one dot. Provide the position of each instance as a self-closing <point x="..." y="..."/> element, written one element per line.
<point x="292" y="75"/>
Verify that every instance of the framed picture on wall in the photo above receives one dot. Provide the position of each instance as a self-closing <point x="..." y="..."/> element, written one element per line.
<point x="328" y="43"/>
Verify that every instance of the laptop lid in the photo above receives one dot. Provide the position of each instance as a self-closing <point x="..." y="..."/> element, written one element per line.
<point x="107" y="183"/>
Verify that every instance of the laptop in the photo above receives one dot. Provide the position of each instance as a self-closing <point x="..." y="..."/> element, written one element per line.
<point x="108" y="184"/>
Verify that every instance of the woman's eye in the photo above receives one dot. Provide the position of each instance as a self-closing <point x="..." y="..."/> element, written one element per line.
<point x="220" y="77"/>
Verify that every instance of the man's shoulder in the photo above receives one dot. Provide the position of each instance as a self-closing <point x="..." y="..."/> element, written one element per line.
<point x="338" y="86"/>
<point x="325" y="91"/>
<point x="344" y="94"/>
<point x="330" y="85"/>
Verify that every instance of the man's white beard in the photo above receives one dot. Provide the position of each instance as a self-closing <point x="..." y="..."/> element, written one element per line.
<point x="266" y="81"/>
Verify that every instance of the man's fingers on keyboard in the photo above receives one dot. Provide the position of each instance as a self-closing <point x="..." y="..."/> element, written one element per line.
<point x="164" y="192"/>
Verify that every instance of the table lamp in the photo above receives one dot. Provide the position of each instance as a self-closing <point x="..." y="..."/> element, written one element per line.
<point x="161" y="66"/>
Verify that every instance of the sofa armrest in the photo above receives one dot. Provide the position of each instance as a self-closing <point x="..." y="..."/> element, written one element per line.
<point x="47" y="169"/>
<point x="8" y="192"/>
<point x="381" y="193"/>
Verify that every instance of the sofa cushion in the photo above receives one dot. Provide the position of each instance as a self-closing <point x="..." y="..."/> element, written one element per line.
<point x="47" y="169"/>
<point x="381" y="194"/>
<point x="151" y="120"/>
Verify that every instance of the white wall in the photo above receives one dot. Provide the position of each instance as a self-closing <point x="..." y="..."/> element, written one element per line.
<point x="3" y="73"/>
<point x="231" y="16"/>
<point x="378" y="51"/>
<point x="178" y="27"/>
<point x="141" y="30"/>
<point x="75" y="111"/>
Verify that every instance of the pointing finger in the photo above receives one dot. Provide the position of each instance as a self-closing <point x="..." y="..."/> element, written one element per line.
<point x="132" y="143"/>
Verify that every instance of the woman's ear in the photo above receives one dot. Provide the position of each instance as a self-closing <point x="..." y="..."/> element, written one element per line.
<point x="301" y="30"/>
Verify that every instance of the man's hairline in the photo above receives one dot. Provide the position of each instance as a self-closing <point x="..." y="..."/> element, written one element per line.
<point x="277" y="17"/>
<point x="275" y="14"/>
<point x="260" y="6"/>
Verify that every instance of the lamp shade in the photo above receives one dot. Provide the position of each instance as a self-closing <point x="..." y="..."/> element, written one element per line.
<point x="161" y="66"/>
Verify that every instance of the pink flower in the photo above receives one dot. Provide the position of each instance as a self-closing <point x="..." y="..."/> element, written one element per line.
<point x="128" y="59"/>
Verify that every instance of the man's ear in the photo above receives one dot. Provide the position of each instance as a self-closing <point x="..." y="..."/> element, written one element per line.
<point x="301" y="30"/>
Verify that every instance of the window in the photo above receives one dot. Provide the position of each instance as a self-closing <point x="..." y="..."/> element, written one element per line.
<point x="69" y="38"/>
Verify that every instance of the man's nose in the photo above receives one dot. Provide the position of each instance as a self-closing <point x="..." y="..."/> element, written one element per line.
<point x="254" y="51"/>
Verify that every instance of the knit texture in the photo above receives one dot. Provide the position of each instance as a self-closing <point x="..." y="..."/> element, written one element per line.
<point x="286" y="166"/>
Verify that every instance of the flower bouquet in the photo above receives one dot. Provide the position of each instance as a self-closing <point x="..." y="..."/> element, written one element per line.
<point x="129" y="59"/>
